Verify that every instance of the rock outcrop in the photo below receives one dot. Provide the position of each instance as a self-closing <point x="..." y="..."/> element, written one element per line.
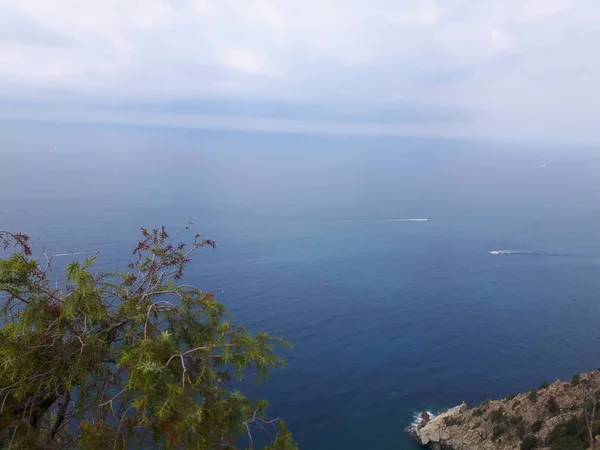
<point x="434" y="431"/>
<point x="550" y="417"/>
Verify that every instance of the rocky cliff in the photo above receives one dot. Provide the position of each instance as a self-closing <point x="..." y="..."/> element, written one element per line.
<point x="555" y="416"/>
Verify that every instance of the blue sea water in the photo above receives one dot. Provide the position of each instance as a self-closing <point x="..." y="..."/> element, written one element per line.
<point x="387" y="316"/>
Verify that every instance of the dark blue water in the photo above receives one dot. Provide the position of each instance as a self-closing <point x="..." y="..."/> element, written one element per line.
<point x="387" y="317"/>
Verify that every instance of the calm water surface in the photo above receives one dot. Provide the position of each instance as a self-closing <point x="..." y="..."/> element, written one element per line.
<point x="387" y="316"/>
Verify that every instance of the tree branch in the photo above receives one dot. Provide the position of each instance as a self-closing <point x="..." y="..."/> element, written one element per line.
<point x="60" y="417"/>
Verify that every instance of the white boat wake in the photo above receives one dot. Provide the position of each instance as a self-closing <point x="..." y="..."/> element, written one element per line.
<point x="531" y="253"/>
<point x="74" y="254"/>
<point x="505" y="252"/>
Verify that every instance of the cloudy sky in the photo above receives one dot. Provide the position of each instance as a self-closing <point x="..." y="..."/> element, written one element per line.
<point x="471" y="68"/>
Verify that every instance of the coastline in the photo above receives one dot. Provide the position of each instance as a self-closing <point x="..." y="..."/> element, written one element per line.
<point x="560" y="415"/>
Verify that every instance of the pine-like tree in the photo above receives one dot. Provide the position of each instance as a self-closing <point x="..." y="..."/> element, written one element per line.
<point x="131" y="359"/>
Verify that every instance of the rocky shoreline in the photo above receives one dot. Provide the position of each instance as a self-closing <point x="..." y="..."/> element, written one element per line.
<point x="557" y="416"/>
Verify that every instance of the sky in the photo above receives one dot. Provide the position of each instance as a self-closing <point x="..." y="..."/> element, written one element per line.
<point x="525" y="69"/>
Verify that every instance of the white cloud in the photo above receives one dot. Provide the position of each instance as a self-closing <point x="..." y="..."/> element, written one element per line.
<point x="242" y="60"/>
<point x="525" y="68"/>
<point x="536" y="9"/>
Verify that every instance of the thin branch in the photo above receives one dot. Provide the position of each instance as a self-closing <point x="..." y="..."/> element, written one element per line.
<point x="27" y="379"/>
<point x="148" y="314"/>
<point x="16" y="428"/>
<point x="82" y="345"/>
<point x="111" y="400"/>
<point x="115" y="325"/>
<point x="249" y="435"/>
<point x="3" y="401"/>
<point x="260" y="422"/>
<point x="119" y="428"/>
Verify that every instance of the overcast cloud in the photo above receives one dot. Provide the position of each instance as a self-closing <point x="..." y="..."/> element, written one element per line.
<point x="478" y="68"/>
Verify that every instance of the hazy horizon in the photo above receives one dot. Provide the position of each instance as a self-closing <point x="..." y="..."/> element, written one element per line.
<point x="511" y="69"/>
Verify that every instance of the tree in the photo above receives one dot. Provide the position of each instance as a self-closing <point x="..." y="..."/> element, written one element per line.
<point x="131" y="359"/>
<point x="590" y="409"/>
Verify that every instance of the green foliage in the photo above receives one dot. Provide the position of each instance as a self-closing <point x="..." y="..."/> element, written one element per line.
<point x="284" y="439"/>
<point x="553" y="407"/>
<point x="529" y="443"/>
<point x="510" y="397"/>
<point x="516" y="420"/>
<point x="536" y="426"/>
<point x="544" y="385"/>
<point x="452" y="421"/>
<point x="498" y="431"/>
<point x="518" y="423"/>
<point x="576" y="380"/>
<point x="570" y="435"/>
<point x="533" y="396"/>
<point x="130" y="359"/>
<point x="477" y="412"/>
<point x="498" y="416"/>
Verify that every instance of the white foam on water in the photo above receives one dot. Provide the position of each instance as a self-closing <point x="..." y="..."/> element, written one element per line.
<point x="417" y="419"/>
<point x="405" y="220"/>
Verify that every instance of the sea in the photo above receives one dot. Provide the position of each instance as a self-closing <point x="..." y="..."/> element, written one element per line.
<point x="409" y="274"/>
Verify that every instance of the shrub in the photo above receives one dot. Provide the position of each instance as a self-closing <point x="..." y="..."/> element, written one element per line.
<point x="544" y="385"/>
<point x="515" y="404"/>
<point x="516" y="420"/>
<point x="477" y="413"/>
<point x="553" y="406"/>
<point x="510" y="397"/>
<point x="532" y="397"/>
<point x="452" y="421"/>
<point x="569" y="435"/>
<point x="529" y="443"/>
<point x="536" y="426"/>
<point x="521" y="431"/>
<point x="576" y="380"/>
<point x="498" y="431"/>
<point x="497" y="416"/>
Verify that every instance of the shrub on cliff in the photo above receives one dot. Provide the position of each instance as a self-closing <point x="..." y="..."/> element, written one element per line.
<point x="569" y="435"/>
<point x="529" y="443"/>
<point x="130" y="359"/>
<point x="576" y="380"/>
<point x="498" y="416"/>
<point x="553" y="406"/>
<point x="536" y="426"/>
<point x="498" y="431"/>
<point x="532" y="397"/>
<point x="452" y="421"/>
<point x="478" y="412"/>
<point x="516" y="420"/>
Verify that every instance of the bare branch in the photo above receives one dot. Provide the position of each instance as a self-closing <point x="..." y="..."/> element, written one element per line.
<point x="111" y="400"/>
<point x="148" y="315"/>
<point x="4" y="400"/>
